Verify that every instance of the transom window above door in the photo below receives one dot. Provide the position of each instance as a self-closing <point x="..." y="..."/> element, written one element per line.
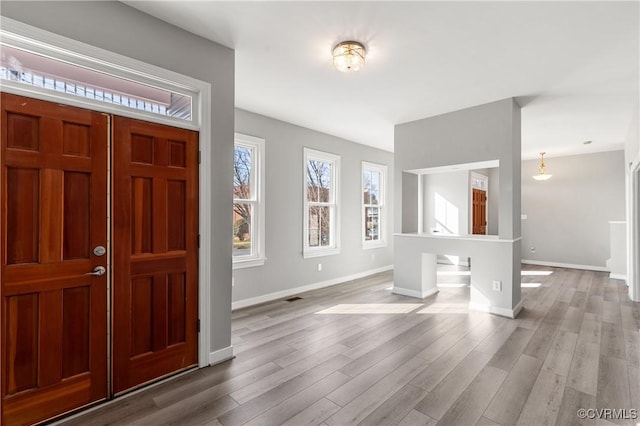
<point x="25" y="67"/>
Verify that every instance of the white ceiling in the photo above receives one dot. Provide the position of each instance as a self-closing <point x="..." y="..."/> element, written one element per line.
<point x="572" y="66"/>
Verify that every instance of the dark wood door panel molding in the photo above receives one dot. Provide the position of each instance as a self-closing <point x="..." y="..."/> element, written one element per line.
<point x="155" y="228"/>
<point x="53" y="335"/>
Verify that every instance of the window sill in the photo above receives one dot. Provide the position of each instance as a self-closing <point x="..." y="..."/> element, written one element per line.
<point x="320" y="252"/>
<point x="375" y="245"/>
<point x="248" y="263"/>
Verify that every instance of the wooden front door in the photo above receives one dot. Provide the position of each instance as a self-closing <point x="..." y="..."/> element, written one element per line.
<point x="155" y="231"/>
<point x="479" y="211"/>
<point x="54" y="213"/>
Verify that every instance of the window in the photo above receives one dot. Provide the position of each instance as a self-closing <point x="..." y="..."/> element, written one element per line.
<point x="373" y="205"/>
<point x="248" y="206"/>
<point x="97" y="84"/>
<point x="321" y="223"/>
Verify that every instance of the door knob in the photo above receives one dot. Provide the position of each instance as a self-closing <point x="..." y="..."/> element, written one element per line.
<point x="98" y="271"/>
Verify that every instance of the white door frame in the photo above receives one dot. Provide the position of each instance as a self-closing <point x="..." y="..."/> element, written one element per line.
<point x="633" y="230"/>
<point x="485" y="179"/>
<point x="34" y="39"/>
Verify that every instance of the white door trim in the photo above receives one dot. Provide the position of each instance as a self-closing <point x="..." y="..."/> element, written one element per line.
<point x="474" y="175"/>
<point x="633" y="230"/>
<point x="73" y="51"/>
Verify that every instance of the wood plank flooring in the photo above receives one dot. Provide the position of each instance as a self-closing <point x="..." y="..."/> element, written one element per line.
<point x="331" y="358"/>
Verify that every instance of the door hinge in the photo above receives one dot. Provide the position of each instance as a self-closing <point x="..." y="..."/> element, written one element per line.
<point x="198" y="240"/>
<point x="199" y="157"/>
<point x="198" y="325"/>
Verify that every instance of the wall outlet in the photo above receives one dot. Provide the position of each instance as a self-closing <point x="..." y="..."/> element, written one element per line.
<point x="532" y="249"/>
<point x="319" y="267"/>
<point x="233" y="281"/>
<point x="497" y="286"/>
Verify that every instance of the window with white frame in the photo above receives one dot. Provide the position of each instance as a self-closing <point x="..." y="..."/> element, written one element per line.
<point x="373" y="204"/>
<point x="96" y="83"/>
<point x="321" y="221"/>
<point x="248" y="203"/>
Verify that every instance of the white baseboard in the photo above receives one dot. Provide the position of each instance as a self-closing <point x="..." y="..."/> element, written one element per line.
<point x="618" y="276"/>
<point x="221" y="355"/>
<point x="503" y="312"/>
<point x="297" y="290"/>
<point x="565" y="265"/>
<point x="413" y="293"/>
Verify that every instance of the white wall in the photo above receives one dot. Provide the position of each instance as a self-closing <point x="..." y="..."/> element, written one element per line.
<point x="285" y="269"/>
<point x="455" y="187"/>
<point x="568" y="215"/>
<point x="121" y="29"/>
<point x="452" y="189"/>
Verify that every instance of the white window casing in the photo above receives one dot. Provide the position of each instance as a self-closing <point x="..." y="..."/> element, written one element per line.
<point x="254" y="199"/>
<point x="321" y="204"/>
<point x="373" y="199"/>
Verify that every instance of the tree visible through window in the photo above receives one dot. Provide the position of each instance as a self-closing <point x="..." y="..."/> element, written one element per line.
<point x="248" y="181"/>
<point x="373" y="177"/>
<point x="320" y="201"/>
<point x="242" y="205"/>
<point x="318" y="196"/>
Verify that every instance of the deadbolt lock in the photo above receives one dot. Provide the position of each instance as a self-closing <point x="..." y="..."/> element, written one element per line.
<point x="99" y="251"/>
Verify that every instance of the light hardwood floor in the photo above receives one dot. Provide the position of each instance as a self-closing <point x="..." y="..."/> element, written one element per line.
<point x="357" y="354"/>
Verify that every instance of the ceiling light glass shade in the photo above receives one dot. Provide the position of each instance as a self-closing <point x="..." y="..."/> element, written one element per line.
<point x="541" y="169"/>
<point x="542" y="176"/>
<point x="348" y="56"/>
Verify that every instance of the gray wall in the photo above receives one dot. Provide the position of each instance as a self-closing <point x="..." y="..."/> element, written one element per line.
<point x="568" y="215"/>
<point x="285" y="267"/>
<point x="407" y="186"/>
<point x="121" y="29"/>
<point x="482" y="133"/>
<point x="494" y="201"/>
<point x="632" y="142"/>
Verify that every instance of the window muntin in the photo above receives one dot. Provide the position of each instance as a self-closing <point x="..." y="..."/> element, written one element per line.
<point x="321" y="217"/>
<point x="373" y="204"/>
<point x="248" y="214"/>
<point x="56" y="75"/>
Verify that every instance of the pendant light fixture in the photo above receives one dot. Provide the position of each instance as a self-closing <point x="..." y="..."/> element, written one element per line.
<point x="541" y="169"/>
<point x="348" y="56"/>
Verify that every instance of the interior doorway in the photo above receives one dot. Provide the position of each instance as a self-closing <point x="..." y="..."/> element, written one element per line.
<point x="66" y="279"/>
<point x="479" y="209"/>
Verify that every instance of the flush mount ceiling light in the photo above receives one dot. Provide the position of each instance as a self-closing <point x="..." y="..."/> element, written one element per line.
<point x="348" y="56"/>
<point x="541" y="172"/>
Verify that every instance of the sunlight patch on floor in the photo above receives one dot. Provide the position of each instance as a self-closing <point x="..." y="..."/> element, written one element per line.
<point x="536" y="273"/>
<point x="452" y="285"/>
<point x="530" y="285"/>
<point x="372" y="308"/>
